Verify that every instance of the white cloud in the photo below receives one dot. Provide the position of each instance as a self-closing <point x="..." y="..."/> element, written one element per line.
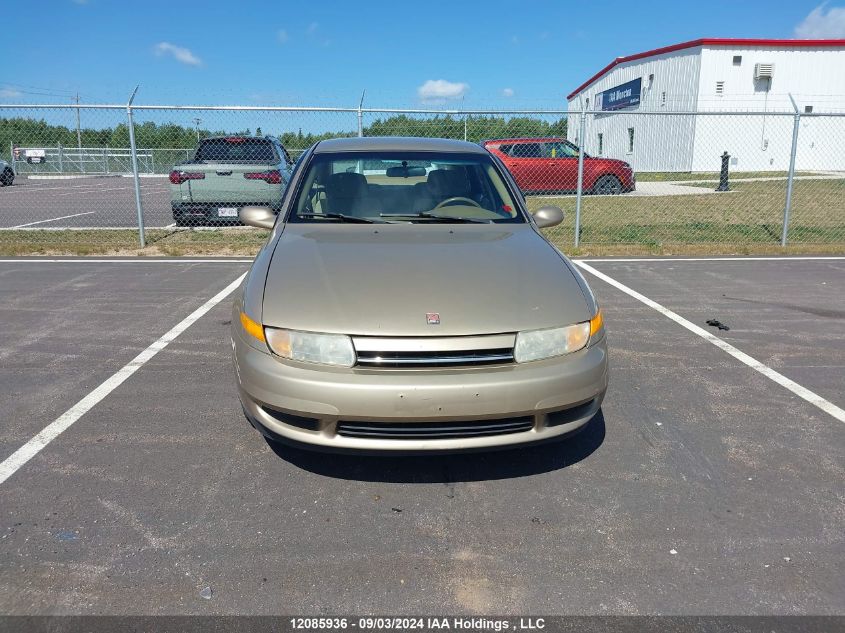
<point x="178" y="53"/>
<point x="514" y="39"/>
<point x="820" y="24"/>
<point x="312" y="28"/>
<point x="282" y="36"/>
<point x="10" y="93"/>
<point x="507" y="92"/>
<point x="435" y="89"/>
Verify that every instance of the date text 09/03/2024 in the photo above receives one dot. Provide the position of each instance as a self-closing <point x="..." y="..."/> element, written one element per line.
<point x="417" y="623"/>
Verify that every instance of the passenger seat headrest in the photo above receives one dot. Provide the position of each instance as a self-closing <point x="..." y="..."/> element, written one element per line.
<point x="346" y="185"/>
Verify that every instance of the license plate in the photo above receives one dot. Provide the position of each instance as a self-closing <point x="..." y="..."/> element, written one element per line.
<point x="227" y="212"/>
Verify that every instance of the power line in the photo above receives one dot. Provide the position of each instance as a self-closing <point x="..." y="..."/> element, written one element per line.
<point x="40" y="94"/>
<point x="67" y="93"/>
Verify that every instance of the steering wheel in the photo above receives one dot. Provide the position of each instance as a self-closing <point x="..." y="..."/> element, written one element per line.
<point x="454" y="199"/>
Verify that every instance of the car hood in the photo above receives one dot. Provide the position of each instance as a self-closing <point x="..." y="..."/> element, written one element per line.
<point x="382" y="280"/>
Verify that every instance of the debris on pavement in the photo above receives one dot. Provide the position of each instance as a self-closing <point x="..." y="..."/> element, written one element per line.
<point x="717" y="323"/>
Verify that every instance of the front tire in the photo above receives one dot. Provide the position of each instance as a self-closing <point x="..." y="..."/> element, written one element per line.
<point x="607" y="185"/>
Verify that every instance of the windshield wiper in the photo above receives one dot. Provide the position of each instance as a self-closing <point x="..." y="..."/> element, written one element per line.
<point x="434" y="216"/>
<point x="340" y="216"/>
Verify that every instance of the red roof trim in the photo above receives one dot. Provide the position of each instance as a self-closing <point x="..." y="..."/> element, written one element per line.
<point x="710" y="42"/>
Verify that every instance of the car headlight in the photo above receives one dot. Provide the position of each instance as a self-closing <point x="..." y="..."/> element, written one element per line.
<point x="540" y="344"/>
<point x="311" y="347"/>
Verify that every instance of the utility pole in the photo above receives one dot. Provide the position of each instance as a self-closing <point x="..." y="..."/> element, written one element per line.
<point x="78" y="125"/>
<point x="197" y="122"/>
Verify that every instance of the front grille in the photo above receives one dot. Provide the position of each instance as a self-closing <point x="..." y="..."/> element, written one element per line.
<point x="454" y="358"/>
<point x="434" y="430"/>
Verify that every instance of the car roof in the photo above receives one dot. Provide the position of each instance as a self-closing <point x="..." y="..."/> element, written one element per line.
<point x="397" y="144"/>
<point x="244" y="136"/>
<point x="543" y="139"/>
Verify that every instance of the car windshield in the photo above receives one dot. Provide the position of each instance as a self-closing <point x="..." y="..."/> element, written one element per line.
<point x="235" y="149"/>
<point x="403" y="187"/>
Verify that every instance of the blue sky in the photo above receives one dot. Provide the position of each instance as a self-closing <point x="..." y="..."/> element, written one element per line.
<point x="493" y="53"/>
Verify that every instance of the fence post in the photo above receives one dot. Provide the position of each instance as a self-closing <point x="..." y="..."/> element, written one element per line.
<point x="784" y="236"/>
<point x="361" y="115"/>
<point x="61" y="159"/>
<point x="134" y="152"/>
<point x="582" y="125"/>
<point x="105" y="160"/>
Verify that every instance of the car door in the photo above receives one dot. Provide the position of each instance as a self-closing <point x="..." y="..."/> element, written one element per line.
<point x="561" y="166"/>
<point x="527" y="165"/>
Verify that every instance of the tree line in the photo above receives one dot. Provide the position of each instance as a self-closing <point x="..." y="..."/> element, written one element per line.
<point x="29" y="132"/>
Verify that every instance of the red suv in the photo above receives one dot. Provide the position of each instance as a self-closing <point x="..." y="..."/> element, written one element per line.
<point x="546" y="165"/>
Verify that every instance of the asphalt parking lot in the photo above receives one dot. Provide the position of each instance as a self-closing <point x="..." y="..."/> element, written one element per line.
<point x="705" y="486"/>
<point x="96" y="202"/>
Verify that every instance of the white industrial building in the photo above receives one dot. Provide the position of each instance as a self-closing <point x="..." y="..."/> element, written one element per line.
<point x="739" y="76"/>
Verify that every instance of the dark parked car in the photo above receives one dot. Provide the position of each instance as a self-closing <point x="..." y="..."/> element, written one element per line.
<point x="7" y="176"/>
<point x="550" y="165"/>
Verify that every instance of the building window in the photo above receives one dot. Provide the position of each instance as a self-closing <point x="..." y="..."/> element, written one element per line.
<point x="720" y="87"/>
<point x="630" y="140"/>
<point x="601" y="144"/>
<point x="737" y="60"/>
<point x="808" y="109"/>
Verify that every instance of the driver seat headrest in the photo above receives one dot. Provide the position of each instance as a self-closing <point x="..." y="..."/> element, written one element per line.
<point x="449" y="183"/>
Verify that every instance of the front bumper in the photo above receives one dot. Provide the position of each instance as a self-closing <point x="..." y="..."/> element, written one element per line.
<point x="198" y="213"/>
<point x="557" y="396"/>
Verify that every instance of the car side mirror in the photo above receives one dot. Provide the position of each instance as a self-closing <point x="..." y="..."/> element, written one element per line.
<point x="259" y="217"/>
<point x="548" y="216"/>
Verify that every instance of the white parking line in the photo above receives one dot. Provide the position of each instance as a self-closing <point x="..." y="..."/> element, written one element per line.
<point x="95" y="228"/>
<point x="29" y="450"/>
<point x="126" y="260"/>
<point x="768" y="372"/>
<point x="64" y="217"/>
<point x="96" y="190"/>
<point x="785" y="258"/>
<point x="89" y="186"/>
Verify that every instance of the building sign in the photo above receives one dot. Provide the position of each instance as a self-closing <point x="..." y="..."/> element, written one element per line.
<point x="625" y="95"/>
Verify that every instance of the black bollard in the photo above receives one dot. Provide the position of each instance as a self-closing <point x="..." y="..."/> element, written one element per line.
<point x="723" y="175"/>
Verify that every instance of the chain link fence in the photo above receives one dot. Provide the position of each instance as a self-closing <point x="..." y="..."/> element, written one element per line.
<point x="646" y="181"/>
